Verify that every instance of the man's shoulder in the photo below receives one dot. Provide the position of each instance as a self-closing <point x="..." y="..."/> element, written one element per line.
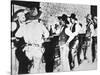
<point x="78" y="25"/>
<point x="13" y="23"/>
<point x="14" y="26"/>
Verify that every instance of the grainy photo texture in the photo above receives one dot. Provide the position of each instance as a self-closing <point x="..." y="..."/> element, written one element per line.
<point x="52" y="37"/>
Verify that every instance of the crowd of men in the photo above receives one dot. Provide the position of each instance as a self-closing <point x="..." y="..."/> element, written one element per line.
<point x="62" y="43"/>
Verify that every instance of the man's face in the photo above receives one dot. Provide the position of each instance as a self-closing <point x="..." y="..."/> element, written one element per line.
<point x="21" y="16"/>
<point x="95" y="20"/>
<point x="34" y="12"/>
<point x="62" y="22"/>
<point x="89" y="17"/>
<point x="72" y="20"/>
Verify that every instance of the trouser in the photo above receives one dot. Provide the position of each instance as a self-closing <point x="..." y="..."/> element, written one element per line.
<point x="94" y="42"/>
<point x="34" y="52"/>
<point x="36" y="65"/>
<point x="64" y="51"/>
<point x="81" y="38"/>
<point x="49" y="65"/>
<point x="24" y="62"/>
<point x="88" y="49"/>
<point x="14" y="62"/>
<point x="49" y="58"/>
<point x="72" y="53"/>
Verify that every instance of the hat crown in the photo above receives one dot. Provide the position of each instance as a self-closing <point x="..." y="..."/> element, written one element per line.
<point x="64" y="17"/>
<point x="73" y="15"/>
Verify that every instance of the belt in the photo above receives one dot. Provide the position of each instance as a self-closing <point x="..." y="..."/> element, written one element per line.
<point x="36" y="45"/>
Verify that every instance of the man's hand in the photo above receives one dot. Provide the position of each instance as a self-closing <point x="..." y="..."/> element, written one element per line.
<point x="13" y="38"/>
<point x="67" y="43"/>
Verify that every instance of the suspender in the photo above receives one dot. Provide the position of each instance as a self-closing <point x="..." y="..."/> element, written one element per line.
<point x="73" y="28"/>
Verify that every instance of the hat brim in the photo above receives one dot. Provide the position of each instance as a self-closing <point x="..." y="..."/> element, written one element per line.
<point x="59" y="17"/>
<point x="65" y="20"/>
<point x="73" y="18"/>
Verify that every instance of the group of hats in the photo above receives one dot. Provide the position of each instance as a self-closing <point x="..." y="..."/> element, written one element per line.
<point x="28" y="14"/>
<point x="64" y="17"/>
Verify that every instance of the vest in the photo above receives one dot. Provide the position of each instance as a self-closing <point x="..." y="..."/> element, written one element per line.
<point x="73" y="28"/>
<point x="71" y="44"/>
<point x="88" y="30"/>
<point x="63" y="37"/>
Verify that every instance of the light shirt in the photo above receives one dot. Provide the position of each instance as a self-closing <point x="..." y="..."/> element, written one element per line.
<point x="69" y="33"/>
<point x="93" y="31"/>
<point x="32" y="32"/>
<point x="83" y="29"/>
<point x="77" y="29"/>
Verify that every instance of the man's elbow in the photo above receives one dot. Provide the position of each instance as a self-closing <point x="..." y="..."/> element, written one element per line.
<point x="47" y="35"/>
<point x="17" y="35"/>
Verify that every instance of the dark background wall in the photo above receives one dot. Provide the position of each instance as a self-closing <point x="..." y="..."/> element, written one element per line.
<point x="94" y="10"/>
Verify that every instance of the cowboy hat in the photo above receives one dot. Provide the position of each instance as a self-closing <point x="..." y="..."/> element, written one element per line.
<point x="73" y="16"/>
<point x="29" y="15"/>
<point x="64" y="17"/>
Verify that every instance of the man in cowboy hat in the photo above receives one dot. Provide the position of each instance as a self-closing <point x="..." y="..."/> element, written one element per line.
<point x="34" y="13"/>
<point x="91" y="38"/>
<point x="65" y="37"/>
<point x="75" y="28"/>
<point x="19" y="21"/>
<point x="32" y="33"/>
<point x="94" y="38"/>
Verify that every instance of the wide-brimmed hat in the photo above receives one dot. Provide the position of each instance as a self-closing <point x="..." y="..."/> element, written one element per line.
<point x="73" y="16"/>
<point x="64" y="17"/>
<point x="29" y="15"/>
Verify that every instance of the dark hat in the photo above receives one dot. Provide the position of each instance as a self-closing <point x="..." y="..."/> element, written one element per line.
<point x="73" y="16"/>
<point x="64" y="17"/>
<point x="59" y="17"/>
<point x="31" y="17"/>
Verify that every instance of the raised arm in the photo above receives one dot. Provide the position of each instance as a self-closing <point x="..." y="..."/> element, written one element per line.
<point x="70" y="34"/>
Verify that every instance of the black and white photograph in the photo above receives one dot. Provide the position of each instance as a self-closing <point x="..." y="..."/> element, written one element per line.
<point x="51" y="37"/>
